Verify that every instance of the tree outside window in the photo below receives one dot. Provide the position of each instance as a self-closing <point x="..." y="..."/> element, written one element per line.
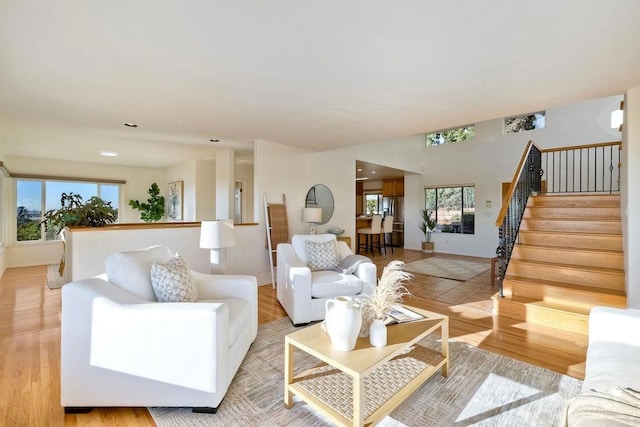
<point x="454" y="208"/>
<point x="464" y="133"/>
<point x="373" y="203"/>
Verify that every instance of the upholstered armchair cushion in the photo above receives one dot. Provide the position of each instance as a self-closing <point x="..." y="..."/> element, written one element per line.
<point x="131" y="270"/>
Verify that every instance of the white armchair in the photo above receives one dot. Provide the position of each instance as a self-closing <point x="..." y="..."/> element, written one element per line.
<point x="120" y="347"/>
<point x="303" y="292"/>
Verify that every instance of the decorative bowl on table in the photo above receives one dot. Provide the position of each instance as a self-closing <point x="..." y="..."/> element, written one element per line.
<point x="336" y="231"/>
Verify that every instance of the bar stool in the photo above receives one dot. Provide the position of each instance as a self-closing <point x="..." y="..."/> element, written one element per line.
<point x="387" y="229"/>
<point x="369" y="233"/>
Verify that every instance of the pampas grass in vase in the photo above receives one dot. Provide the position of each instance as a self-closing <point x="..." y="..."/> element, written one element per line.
<point x="390" y="290"/>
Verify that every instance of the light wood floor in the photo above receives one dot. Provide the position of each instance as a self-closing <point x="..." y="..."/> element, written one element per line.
<point x="30" y="340"/>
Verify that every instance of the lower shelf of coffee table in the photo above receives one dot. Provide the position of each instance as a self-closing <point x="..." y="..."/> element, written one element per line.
<point x="331" y="390"/>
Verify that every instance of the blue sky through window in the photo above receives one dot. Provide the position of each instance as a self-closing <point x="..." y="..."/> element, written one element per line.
<point x="29" y="193"/>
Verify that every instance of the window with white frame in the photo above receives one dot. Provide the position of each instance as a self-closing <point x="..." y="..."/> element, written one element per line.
<point x="36" y="196"/>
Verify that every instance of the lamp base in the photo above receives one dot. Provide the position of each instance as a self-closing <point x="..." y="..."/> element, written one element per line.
<point x="217" y="258"/>
<point x="312" y="229"/>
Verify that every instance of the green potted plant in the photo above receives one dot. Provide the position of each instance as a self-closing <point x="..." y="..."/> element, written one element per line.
<point x="427" y="225"/>
<point x="94" y="213"/>
<point x="153" y="210"/>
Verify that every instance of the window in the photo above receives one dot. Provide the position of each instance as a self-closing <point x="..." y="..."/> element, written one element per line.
<point x="373" y="203"/>
<point x="454" y="208"/>
<point x="464" y="133"/>
<point x="36" y="196"/>
<point x="523" y="123"/>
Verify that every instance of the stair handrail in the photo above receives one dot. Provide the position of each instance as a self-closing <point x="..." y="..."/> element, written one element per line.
<point x="526" y="181"/>
<point x="588" y="168"/>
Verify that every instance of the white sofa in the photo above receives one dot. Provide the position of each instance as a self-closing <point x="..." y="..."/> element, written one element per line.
<point x="303" y="293"/>
<point x="120" y="347"/>
<point x="613" y="355"/>
<point x="610" y="394"/>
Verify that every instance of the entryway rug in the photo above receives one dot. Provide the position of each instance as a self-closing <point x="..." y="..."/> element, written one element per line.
<point x="447" y="268"/>
<point x="54" y="280"/>
<point x="483" y="389"/>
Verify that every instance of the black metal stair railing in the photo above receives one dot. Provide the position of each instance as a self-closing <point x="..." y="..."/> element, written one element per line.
<point x="526" y="182"/>
<point x="593" y="168"/>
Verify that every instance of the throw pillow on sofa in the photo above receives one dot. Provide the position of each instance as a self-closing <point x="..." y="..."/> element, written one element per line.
<point x="173" y="281"/>
<point x="321" y="256"/>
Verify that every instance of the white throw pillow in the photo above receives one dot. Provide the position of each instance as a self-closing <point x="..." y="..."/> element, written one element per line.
<point x="321" y="256"/>
<point x="173" y="281"/>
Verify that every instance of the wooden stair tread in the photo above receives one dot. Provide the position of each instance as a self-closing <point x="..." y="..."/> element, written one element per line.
<point x="573" y="219"/>
<point x="569" y="249"/>
<point x="555" y="305"/>
<point x="613" y="271"/>
<point x="572" y="233"/>
<point x="565" y="285"/>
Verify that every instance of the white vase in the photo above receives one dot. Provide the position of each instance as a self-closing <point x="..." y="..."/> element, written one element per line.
<point x="378" y="333"/>
<point x="343" y="321"/>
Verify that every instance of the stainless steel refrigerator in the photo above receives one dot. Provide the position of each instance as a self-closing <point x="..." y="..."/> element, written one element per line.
<point x="394" y="206"/>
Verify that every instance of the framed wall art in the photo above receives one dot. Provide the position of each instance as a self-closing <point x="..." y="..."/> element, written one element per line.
<point x="175" y="200"/>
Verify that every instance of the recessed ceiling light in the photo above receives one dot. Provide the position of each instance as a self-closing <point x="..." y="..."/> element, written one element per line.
<point x="359" y="169"/>
<point x="109" y="153"/>
<point x="131" y="125"/>
<point x="373" y="171"/>
<point x="214" y="140"/>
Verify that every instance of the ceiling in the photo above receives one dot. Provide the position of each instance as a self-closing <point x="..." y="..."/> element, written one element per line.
<point x="317" y="75"/>
<point x="366" y="171"/>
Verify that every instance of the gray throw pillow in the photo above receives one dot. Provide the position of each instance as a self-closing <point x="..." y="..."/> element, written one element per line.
<point x="350" y="264"/>
<point x="173" y="281"/>
<point x="321" y="256"/>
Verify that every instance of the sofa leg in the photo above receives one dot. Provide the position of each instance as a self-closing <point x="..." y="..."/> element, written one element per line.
<point x="77" y="409"/>
<point x="297" y="325"/>
<point x="204" y="410"/>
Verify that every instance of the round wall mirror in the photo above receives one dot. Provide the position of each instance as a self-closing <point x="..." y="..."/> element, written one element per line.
<point x="319" y="196"/>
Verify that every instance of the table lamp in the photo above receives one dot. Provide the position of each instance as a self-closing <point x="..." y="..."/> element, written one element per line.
<point x="312" y="216"/>
<point x="217" y="236"/>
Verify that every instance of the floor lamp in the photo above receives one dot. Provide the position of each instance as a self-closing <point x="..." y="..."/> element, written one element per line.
<point x="217" y="236"/>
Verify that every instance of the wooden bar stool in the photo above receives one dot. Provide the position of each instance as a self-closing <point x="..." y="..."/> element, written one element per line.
<point x="369" y="233"/>
<point x="387" y="229"/>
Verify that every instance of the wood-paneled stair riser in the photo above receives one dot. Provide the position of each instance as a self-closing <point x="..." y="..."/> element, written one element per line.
<point x="568" y="259"/>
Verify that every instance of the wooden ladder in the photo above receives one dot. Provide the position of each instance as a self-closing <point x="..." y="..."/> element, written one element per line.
<point x="277" y="230"/>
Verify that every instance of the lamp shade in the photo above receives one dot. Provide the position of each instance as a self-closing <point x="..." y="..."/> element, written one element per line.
<point x="217" y="234"/>
<point x="312" y="215"/>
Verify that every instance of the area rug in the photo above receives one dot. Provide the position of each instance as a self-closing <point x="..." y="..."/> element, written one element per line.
<point x="483" y="389"/>
<point x="447" y="268"/>
<point x="54" y="280"/>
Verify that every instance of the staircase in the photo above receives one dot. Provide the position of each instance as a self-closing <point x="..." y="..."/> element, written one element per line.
<point x="568" y="258"/>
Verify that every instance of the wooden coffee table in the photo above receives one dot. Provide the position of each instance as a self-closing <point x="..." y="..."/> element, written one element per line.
<point x="362" y="386"/>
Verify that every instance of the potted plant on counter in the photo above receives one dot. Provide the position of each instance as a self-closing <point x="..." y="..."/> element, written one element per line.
<point x="153" y="210"/>
<point x="427" y="225"/>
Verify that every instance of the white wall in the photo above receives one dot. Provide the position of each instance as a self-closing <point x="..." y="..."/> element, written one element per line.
<point x="631" y="197"/>
<point x="205" y="190"/>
